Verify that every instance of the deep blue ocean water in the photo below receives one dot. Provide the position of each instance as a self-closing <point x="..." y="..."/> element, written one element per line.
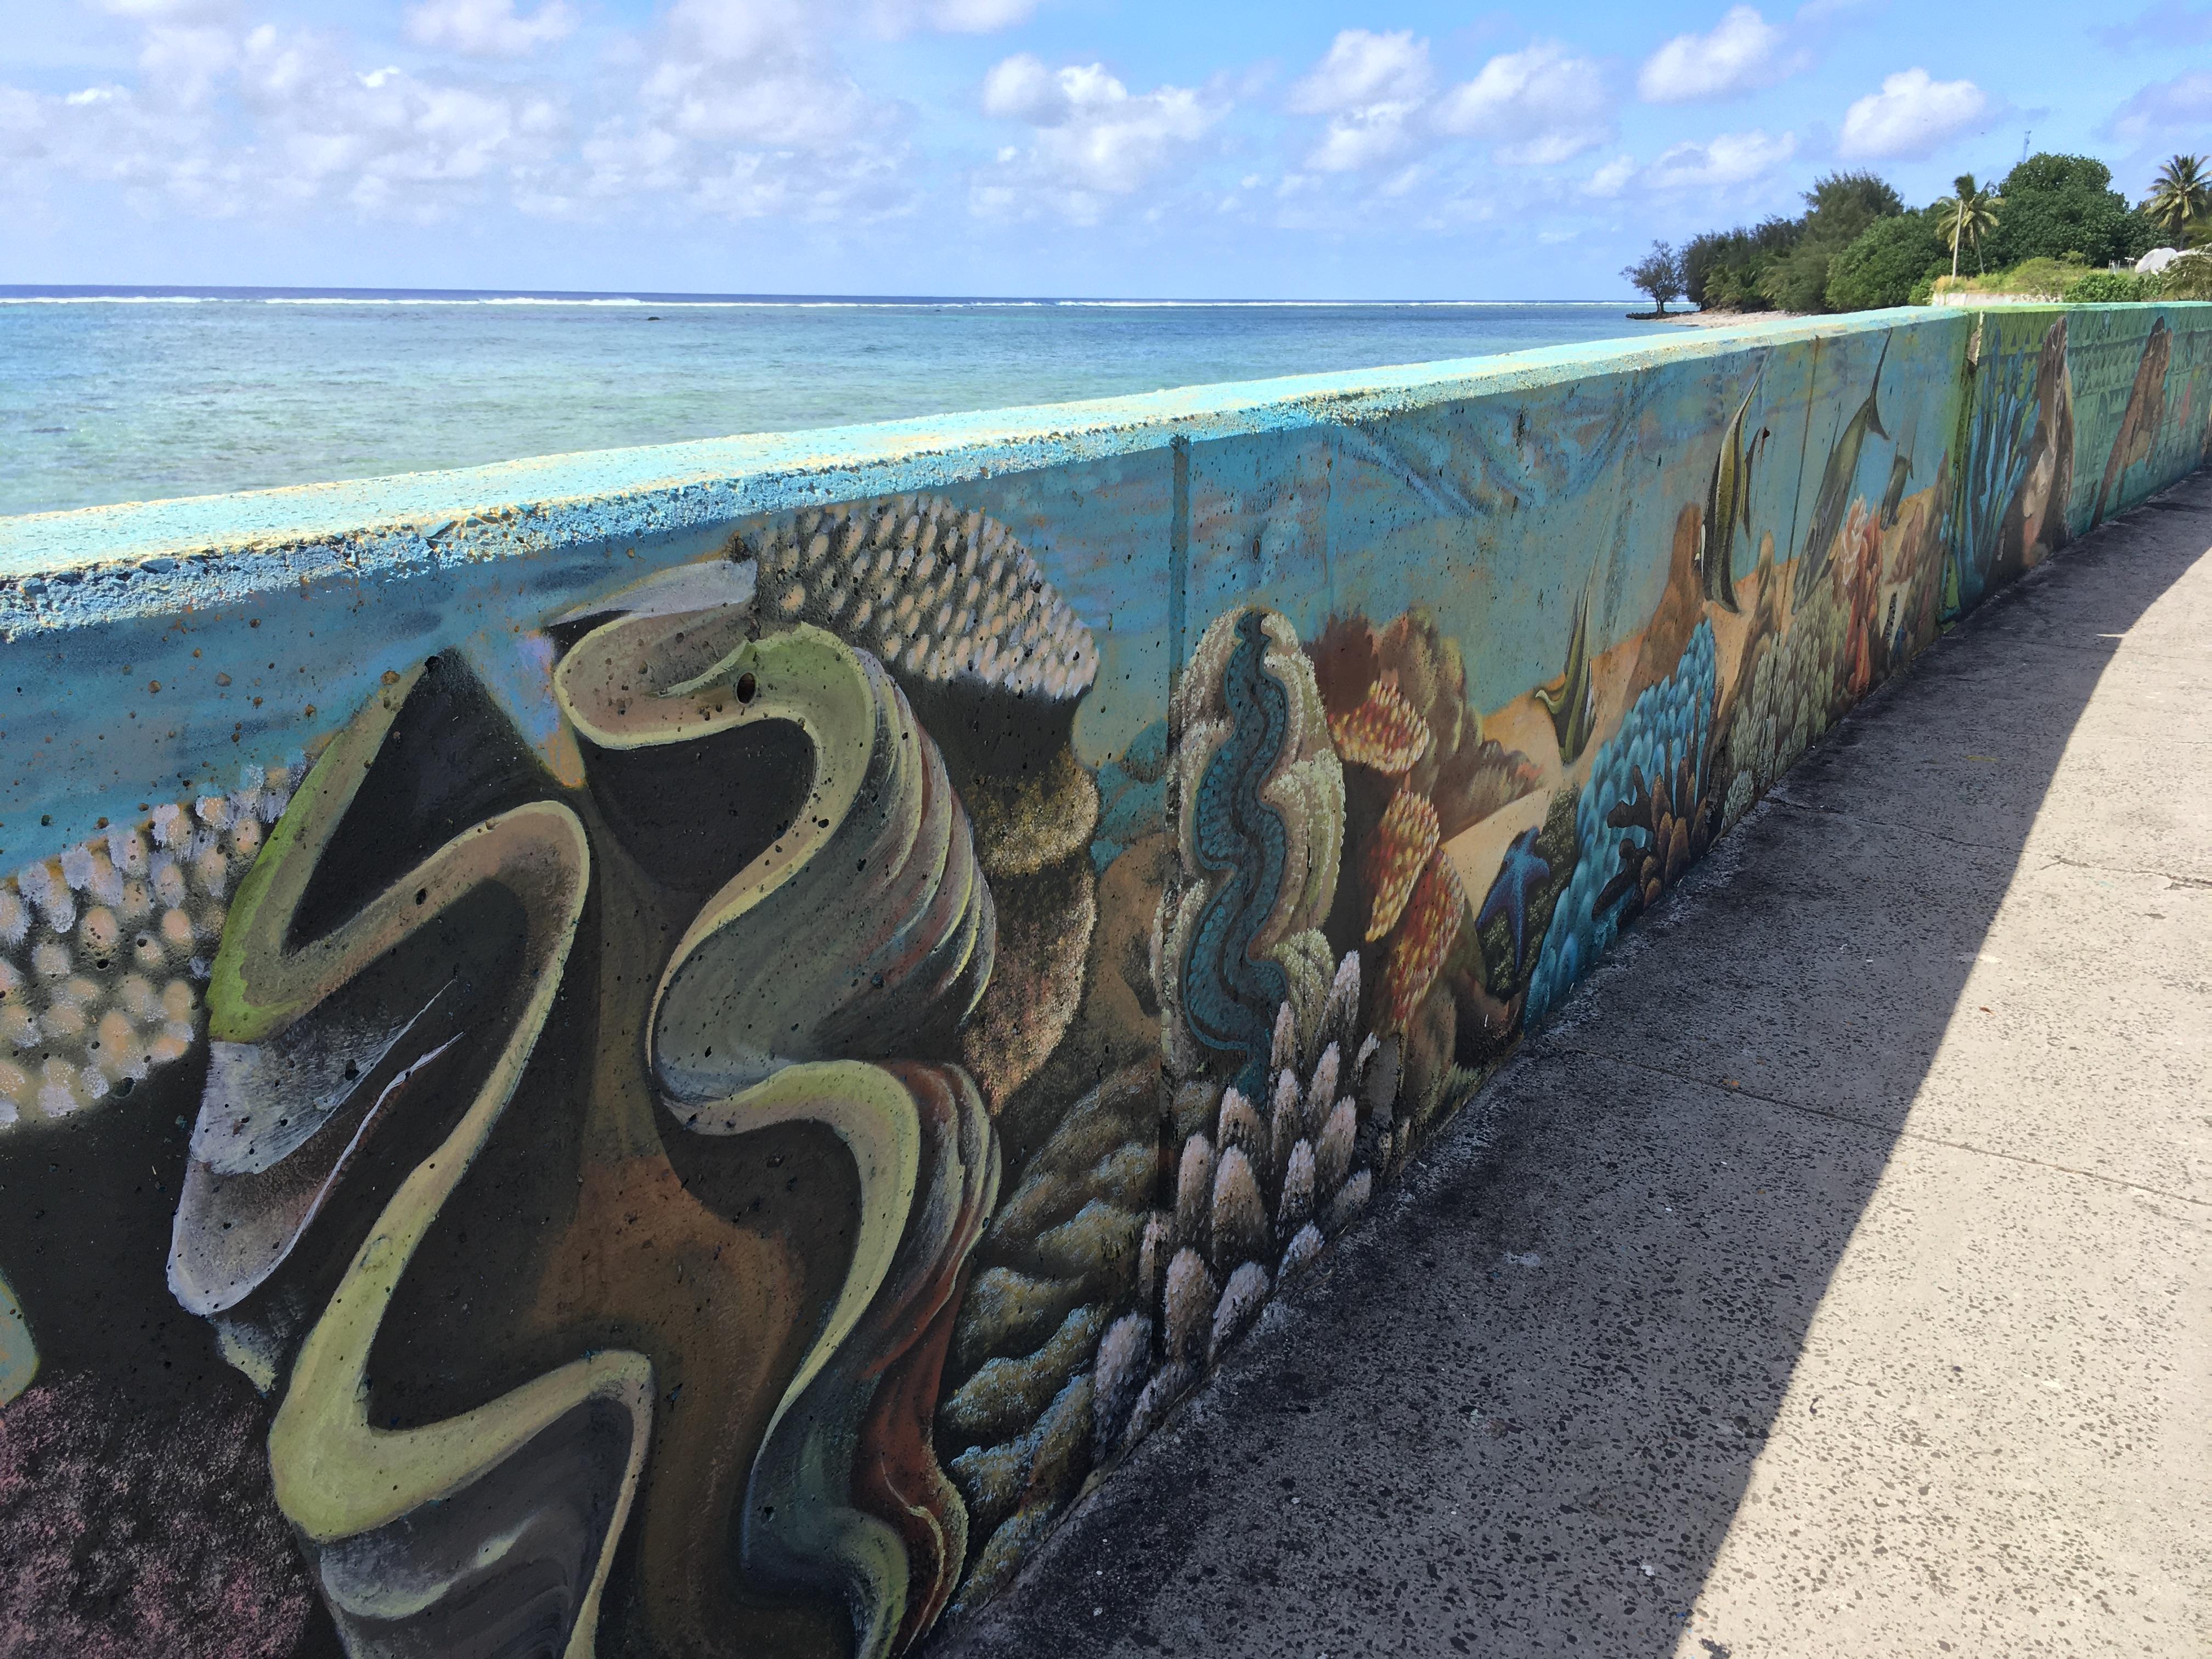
<point x="112" y="395"/>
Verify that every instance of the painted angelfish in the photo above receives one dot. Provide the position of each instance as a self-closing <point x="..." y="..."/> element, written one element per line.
<point x="1837" y="477"/>
<point x="1727" y="502"/>
<point x="1893" y="498"/>
<point x="1573" y="705"/>
<point x="1900" y="470"/>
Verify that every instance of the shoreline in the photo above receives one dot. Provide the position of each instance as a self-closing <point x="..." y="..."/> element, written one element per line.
<point x="1716" y="318"/>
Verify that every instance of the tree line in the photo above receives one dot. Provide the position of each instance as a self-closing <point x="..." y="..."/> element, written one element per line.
<point x="1858" y="247"/>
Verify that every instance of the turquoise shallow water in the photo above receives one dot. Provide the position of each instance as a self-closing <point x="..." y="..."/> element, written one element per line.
<point x="112" y="396"/>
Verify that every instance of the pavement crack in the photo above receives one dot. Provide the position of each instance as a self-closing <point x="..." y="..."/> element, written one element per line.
<point x="1894" y="1132"/>
<point x="1781" y="799"/>
<point x="2167" y="876"/>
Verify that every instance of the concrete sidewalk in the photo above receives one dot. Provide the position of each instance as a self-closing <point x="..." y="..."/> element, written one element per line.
<point x="1835" y="1276"/>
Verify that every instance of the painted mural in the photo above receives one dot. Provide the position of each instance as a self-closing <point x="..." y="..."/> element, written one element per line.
<point x="697" y="1121"/>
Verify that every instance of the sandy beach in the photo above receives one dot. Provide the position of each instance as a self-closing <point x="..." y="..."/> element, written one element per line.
<point x="1722" y="318"/>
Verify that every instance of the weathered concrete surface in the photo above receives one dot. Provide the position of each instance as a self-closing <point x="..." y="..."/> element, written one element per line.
<point x="1833" y="1278"/>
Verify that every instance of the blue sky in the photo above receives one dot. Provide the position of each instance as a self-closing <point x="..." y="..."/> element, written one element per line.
<point x="1297" y="149"/>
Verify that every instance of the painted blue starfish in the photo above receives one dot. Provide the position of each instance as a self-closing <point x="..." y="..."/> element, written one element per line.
<point x="1519" y="876"/>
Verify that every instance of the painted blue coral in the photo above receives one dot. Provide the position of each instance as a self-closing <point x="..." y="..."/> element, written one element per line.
<point x="1229" y="999"/>
<point x="1671" y="720"/>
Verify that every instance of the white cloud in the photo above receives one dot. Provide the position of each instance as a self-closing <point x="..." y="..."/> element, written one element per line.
<point x="1743" y="52"/>
<point x="1911" y="116"/>
<point x="1611" y="178"/>
<point x="1361" y="69"/>
<point x="979" y="17"/>
<point x="1093" y="141"/>
<point x="223" y="125"/>
<point x="167" y="11"/>
<point x="752" y="72"/>
<point x="2164" y="110"/>
<point x="1543" y="105"/>
<point x="1372" y="86"/>
<point x="184" y="64"/>
<point x="891" y="19"/>
<point x="1359" y="138"/>
<point x="488" y="28"/>
<point x="728" y="107"/>
<point x="384" y="142"/>
<point x="1021" y="88"/>
<point x="1732" y="158"/>
<point x="740" y="110"/>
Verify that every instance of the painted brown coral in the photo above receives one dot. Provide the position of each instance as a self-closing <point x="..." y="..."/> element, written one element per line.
<point x="1465" y="775"/>
<point x="1418" y="771"/>
<point x="1403" y="845"/>
<point x="1432" y="926"/>
<point x="1859" y="557"/>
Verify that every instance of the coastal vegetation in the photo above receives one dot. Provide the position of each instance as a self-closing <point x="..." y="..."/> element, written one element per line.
<point x="1659" y="274"/>
<point x="2053" y="227"/>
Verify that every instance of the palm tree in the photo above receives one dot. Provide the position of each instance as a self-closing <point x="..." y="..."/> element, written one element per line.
<point x="2181" y="197"/>
<point x="1968" y="216"/>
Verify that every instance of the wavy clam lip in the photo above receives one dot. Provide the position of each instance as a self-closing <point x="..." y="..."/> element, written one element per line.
<point x="280" y="1123"/>
<point x="866" y="929"/>
<point x="863" y="932"/>
<point x="1260" y="844"/>
<point x="507" y="1512"/>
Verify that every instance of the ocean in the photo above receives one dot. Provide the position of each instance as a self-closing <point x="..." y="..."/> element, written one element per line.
<point x="121" y="394"/>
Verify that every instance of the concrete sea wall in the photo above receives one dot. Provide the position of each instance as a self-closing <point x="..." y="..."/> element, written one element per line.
<point x="666" y="1052"/>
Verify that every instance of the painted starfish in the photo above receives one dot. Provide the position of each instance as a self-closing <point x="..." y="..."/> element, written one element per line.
<point x="1522" y="873"/>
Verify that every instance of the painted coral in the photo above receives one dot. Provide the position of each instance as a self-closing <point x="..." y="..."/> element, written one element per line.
<point x="1667" y="728"/>
<point x="1410" y="664"/>
<point x="103" y="951"/>
<point x="1260" y="1184"/>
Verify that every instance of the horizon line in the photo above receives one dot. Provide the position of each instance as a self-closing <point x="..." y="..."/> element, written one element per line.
<point x="63" y="292"/>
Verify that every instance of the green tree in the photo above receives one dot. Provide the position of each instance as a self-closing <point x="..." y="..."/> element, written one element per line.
<point x="1784" y="262"/>
<point x="1842" y="204"/>
<point x="1721" y="268"/>
<point x="1885" y="263"/>
<point x="2180" y="199"/>
<point x="2055" y="205"/>
<point x="1659" y="274"/>
<point x="1968" y="215"/>
<point x="2187" y="278"/>
<point x="1798" y="280"/>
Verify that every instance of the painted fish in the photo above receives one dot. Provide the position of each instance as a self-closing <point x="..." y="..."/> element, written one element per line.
<point x="1727" y="502"/>
<point x="2139" y="425"/>
<point x="1837" y="477"/>
<point x="1892" y="499"/>
<point x="1573" y="705"/>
